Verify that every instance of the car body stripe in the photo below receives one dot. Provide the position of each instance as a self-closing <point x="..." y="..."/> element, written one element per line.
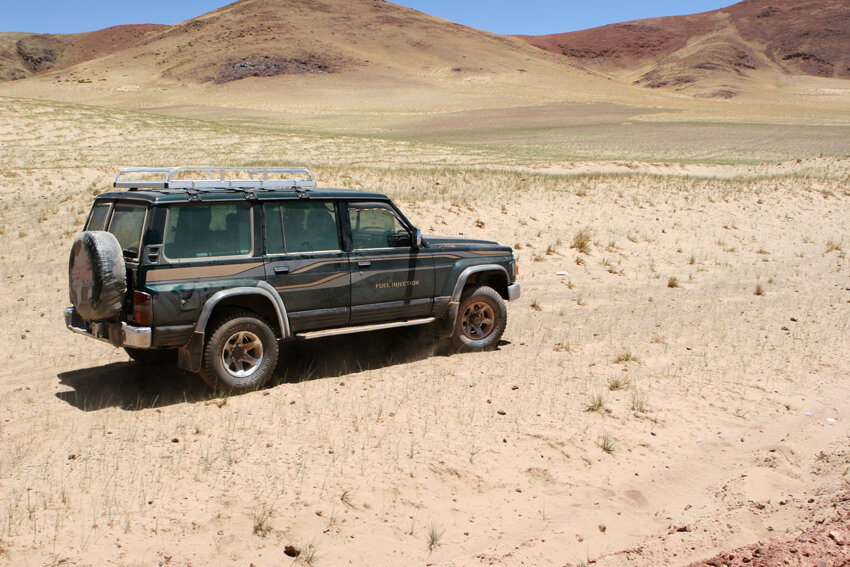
<point x="199" y="272"/>
<point x="309" y="267"/>
<point x="311" y="284"/>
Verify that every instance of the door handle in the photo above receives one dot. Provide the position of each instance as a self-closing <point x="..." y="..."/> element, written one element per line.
<point x="281" y="269"/>
<point x="364" y="264"/>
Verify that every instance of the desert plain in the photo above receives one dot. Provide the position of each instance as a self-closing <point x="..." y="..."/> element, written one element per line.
<point x="673" y="383"/>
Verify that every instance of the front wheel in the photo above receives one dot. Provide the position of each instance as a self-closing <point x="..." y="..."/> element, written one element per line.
<point x="481" y="320"/>
<point x="241" y="354"/>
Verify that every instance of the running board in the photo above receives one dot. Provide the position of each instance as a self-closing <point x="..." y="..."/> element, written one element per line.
<point x="364" y="328"/>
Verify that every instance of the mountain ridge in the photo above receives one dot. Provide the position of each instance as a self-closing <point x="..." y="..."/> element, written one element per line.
<point x="23" y="54"/>
<point x="719" y="49"/>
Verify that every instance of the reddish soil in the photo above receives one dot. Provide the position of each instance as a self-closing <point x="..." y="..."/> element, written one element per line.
<point x="624" y="44"/>
<point x="795" y="36"/>
<point x="24" y="55"/>
<point x="826" y="544"/>
<point x="91" y="45"/>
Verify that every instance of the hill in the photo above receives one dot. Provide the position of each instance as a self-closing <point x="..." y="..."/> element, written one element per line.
<point x="373" y="67"/>
<point x="297" y="59"/>
<point x="717" y="53"/>
<point x="26" y="54"/>
<point x="264" y="38"/>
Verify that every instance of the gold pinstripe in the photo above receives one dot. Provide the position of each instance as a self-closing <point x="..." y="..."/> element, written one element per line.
<point x="198" y="272"/>
<point x="311" y="284"/>
<point x="309" y="267"/>
<point x="364" y="259"/>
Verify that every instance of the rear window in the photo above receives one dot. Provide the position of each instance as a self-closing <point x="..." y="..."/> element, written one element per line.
<point x="126" y="224"/>
<point x="122" y="220"/>
<point x="203" y="231"/>
<point x="98" y="217"/>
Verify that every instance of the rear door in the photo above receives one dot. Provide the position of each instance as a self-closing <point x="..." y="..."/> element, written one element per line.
<point x="305" y="263"/>
<point x="390" y="279"/>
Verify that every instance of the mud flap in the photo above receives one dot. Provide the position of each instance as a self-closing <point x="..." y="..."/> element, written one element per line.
<point x="190" y="355"/>
<point x="445" y="325"/>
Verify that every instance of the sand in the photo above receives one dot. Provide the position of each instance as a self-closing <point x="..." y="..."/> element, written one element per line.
<point x="675" y="391"/>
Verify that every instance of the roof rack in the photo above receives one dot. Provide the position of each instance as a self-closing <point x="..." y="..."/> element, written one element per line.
<point x="215" y="178"/>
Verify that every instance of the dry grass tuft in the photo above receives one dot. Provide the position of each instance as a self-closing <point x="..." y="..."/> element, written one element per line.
<point x="582" y="240"/>
<point x="625" y="355"/>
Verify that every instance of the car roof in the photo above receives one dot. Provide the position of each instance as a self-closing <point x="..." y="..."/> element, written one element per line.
<point x="167" y="196"/>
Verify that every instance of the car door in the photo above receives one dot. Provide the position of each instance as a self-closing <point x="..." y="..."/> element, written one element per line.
<point x="305" y="263"/>
<point x="391" y="280"/>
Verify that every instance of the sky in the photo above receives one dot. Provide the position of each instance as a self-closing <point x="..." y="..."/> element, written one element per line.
<point x="531" y="17"/>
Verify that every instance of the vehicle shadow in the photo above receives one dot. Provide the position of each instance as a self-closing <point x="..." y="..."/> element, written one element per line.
<point x="346" y="354"/>
<point x="131" y="386"/>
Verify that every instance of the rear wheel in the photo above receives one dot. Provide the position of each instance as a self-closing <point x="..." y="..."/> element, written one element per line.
<point x="481" y="320"/>
<point x="241" y="354"/>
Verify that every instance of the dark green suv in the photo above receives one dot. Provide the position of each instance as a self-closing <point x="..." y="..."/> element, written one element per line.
<point x="218" y="264"/>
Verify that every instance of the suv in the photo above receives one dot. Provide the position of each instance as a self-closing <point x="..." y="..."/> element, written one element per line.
<point x="217" y="264"/>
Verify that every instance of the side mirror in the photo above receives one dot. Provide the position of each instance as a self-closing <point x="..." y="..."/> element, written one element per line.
<point x="417" y="238"/>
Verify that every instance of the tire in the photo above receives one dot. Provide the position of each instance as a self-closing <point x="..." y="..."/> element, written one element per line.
<point x="97" y="276"/>
<point x="481" y="320"/>
<point x="241" y="354"/>
<point x="152" y="356"/>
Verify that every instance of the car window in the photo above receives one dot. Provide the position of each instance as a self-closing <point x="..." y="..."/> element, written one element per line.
<point x="202" y="231"/>
<point x="98" y="217"/>
<point x="126" y="224"/>
<point x="376" y="226"/>
<point x="308" y="226"/>
<point x="274" y="228"/>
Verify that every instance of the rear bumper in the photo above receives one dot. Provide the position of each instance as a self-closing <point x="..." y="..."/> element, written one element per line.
<point x="513" y="292"/>
<point x="116" y="333"/>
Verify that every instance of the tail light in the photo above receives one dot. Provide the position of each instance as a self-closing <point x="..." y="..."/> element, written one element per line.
<point x="142" y="308"/>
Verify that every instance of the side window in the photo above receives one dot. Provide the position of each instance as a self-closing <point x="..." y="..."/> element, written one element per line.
<point x="376" y="226"/>
<point x="126" y="224"/>
<point x="98" y="216"/>
<point x="309" y="226"/>
<point x="274" y="229"/>
<point x="202" y="231"/>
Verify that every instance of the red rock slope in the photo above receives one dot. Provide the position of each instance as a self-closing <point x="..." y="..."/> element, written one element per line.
<point x="25" y="54"/>
<point x="808" y="37"/>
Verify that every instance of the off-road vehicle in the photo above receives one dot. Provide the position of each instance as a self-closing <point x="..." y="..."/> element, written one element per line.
<point x="212" y="266"/>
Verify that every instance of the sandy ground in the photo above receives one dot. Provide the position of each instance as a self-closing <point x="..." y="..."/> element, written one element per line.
<point x="675" y="390"/>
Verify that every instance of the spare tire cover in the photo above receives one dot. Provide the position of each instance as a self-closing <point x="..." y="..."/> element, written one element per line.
<point x="97" y="276"/>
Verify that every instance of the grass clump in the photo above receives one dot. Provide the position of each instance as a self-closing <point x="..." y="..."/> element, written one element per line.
<point x="625" y="355"/>
<point x="673" y="281"/>
<point x="618" y="383"/>
<point x="262" y="517"/>
<point x="607" y="443"/>
<point x="833" y="246"/>
<point x="595" y="403"/>
<point x="759" y="290"/>
<point x="435" y="533"/>
<point x="638" y="401"/>
<point x="582" y="240"/>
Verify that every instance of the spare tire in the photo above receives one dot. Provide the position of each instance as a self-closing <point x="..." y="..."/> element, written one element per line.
<point x="97" y="276"/>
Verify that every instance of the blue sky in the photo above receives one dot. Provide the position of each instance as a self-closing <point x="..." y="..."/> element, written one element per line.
<point x="498" y="16"/>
